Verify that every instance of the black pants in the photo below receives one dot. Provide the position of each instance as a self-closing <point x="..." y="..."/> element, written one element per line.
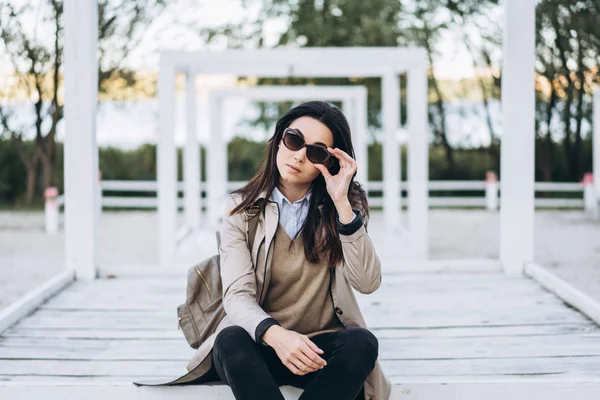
<point x="254" y="371"/>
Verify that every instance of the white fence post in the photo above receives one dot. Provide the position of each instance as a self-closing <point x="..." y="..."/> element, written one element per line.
<point x="81" y="150"/>
<point x="518" y="137"/>
<point x="418" y="160"/>
<point x="590" y="199"/>
<point x="390" y="108"/>
<point x="361" y="141"/>
<point x="216" y="158"/>
<point x="191" y="157"/>
<point x="51" y="209"/>
<point x="596" y="148"/>
<point x="491" y="191"/>
<point x="166" y="168"/>
<point x="99" y="196"/>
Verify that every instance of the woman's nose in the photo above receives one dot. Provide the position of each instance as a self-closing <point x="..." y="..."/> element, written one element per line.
<point x="300" y="155"/>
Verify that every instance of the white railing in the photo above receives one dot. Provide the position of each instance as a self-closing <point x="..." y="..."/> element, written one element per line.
<point x="488" y="197"/>
<point x="434" y="186"/>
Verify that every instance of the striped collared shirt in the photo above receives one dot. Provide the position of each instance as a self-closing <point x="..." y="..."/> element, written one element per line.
<point x="291" y="216"/>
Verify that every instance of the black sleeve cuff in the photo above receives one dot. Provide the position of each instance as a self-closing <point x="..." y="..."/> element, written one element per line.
<point x="262" y="328"/>
<point x="349" y="229"/>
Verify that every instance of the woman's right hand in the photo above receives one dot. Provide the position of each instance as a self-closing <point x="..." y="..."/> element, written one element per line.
<point x="297" y="352"/>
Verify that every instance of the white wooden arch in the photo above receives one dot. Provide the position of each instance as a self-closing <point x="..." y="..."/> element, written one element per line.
<point x="386" y="63"/>
<point x="517" y="184"/>
<point x="596" y="151"/>
<point x="354" y="105"/>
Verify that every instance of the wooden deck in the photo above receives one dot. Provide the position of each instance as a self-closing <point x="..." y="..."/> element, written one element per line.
<point x="454" y="328"/>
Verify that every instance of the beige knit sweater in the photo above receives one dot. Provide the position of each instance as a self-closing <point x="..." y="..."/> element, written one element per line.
<point x="298" y="296"/>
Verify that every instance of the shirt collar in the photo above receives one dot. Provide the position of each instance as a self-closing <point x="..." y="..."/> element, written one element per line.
<point x="279" y="197"/>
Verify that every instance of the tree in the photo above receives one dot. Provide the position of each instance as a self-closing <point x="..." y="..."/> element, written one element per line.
<point x="324" y="23"/>
<point x="37" y="62"/>
<point x="359" y="23"/>
<point x="568" y="52"/>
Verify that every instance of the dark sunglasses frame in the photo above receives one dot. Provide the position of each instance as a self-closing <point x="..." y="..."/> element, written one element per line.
<point x="309" y="147"/>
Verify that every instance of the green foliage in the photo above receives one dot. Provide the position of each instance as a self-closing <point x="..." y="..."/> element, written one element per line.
<point x="12" y="173"/>
<point x="246" y="156"/>
<point x="138" y="164"/>
<point x="38" y="63"/>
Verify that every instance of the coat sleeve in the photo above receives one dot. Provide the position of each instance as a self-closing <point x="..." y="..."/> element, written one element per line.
<point x="361" y="267"/>
<point x="237" y="273"/>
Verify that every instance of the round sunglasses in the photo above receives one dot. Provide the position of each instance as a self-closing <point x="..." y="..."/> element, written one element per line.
<point x="294" y="140"/>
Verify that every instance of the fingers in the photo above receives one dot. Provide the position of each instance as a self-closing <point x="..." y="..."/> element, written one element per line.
<point x="312" y="365"/>
<point x="312" y="351"/>
<point x="295" y="370"/>
<point x="314" y="360"/>
<point x="323" y="170"/>
<point x="298" y="366"/>
<point x="301" y="364"/>
<point x="344" y="159"/>
<point x="311" y="345"/>
<point x="304" y="359"/>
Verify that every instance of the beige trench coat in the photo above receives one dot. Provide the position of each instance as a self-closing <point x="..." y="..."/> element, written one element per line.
<point x="244" y="285"/>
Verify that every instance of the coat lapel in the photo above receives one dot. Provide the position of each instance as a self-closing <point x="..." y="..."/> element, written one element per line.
<point x="271" y="218"/>
<point x="263" y="267"/>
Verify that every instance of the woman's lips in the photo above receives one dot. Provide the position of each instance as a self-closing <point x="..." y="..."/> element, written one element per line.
<point x="292" y="169"/>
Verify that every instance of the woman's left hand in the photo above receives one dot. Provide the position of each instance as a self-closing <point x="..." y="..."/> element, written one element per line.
<point x="337" y="185"/>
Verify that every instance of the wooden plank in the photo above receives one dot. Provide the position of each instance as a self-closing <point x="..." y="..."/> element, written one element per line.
<point x="84" y="368"/>
<point x="466" y="332"/>
<point x="124" y="391"/>
<point x="30" y="301"/>
<point x="390" y="349"/>
<point x="437" y="326"/>
<point x="169" y="294"/>
<point x="174" y="286"/>
<point x="433" y="367"/>
<point x="378" y="315"/>
<point x="502" y="390"/>
<point x="488" y="331"/>
<point x="570" y="295"/>
<point x="478" y="266"/>
<point x="439" y="300"/>
<point x="522" y="380"/>
<point x="492" y="366"/>
<point x="52" y="381"/>
<point x="164" y="334"/>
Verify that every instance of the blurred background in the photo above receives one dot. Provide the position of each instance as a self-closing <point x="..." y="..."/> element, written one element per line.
<point x="463" y="40"/>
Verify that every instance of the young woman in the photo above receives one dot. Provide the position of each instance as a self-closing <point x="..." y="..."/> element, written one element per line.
<point x="292" y="316"/>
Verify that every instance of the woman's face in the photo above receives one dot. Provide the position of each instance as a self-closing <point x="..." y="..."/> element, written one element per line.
<point x="294" y="168"/>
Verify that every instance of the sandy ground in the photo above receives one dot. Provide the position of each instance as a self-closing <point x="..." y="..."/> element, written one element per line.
<point x="567" y="242"/>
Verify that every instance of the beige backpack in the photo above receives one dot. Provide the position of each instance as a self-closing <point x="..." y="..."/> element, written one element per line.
<point x="203" y="309"/>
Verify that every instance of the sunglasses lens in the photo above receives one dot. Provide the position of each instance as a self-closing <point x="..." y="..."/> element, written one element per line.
<point x="293" y="141"/>
<point x="316" y="154"/>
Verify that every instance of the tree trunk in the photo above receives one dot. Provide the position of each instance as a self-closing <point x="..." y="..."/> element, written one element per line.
<point x="440" y="131"/>
<point x="31" y="166"/>
<point x="47" y="172"/>
<point x="578" y="145"/>
<point x="31" y="184"/>
<point x="546" y="161"/>
<point x="569" y="91"/>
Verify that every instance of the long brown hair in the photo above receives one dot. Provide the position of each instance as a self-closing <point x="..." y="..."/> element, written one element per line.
<point x="319" y="232"/>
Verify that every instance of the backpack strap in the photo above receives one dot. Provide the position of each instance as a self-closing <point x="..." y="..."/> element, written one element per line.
<point x="253" y="216"/>
<point x="252" y="224"/>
